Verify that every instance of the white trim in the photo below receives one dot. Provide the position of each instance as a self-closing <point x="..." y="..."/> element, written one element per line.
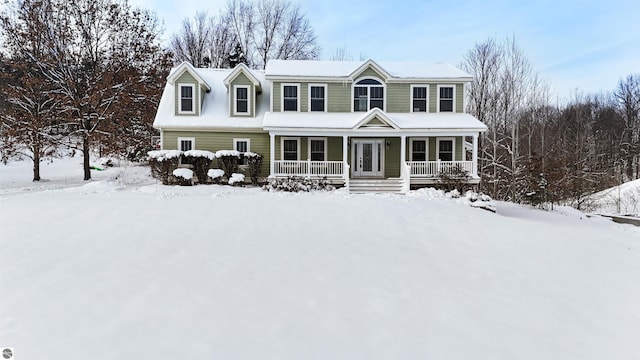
<point x="384" y="92"/>
<point x="192" y="139"/>
<point x="179" y="71"/>
<point x="235" y="100"/>
<point x="370" y="63"/>
<point x="426" y="149"/>
<point x="411" y="97"/>
<point x="453" y="147"/>
<point x="438" y="96"/>
<point x="193" y="98"/>
<point x="282" y="139"/>
<point x="326" y="96"/>
<point x="242" y="68"/>
<point x="282" y="97"/>
<point x="161" y="139"/>
<point x="324" y="139"/>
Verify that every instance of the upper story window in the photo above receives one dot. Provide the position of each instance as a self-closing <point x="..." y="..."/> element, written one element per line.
<point x="446" y="98"/>
<point x="290" y="97"/>
<point x="241" y="105"/>
<point x="419" y="98"/>
<point x="187" y="104"/>
<point x="317" y="97"/>
<point x="368" y="94"/>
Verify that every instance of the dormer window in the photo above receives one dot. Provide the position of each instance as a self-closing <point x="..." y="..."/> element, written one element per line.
<point x="446" y="98"/>
<point x="368" y="94"/>
<point x="241" y="105"/>
<point x="187" y="99"/>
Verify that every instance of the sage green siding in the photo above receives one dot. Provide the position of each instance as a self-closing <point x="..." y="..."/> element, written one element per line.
<point x="302" y="151"/>
<point x="398" y="97"/>
<point x="242" y="79"/>
<point x="369" y="72"/>
<point x="458" y="154"/>
<point x="276" y="91"/>
<point x="459" y="98"/>
<point x="433" y="97"/>
<point x="392" y="157"/>
<point x="214" y="141"/>
<point x="334" y="149"/>
<point x="339" y="97"/>
<point x="198" y="95"/>
<point x="432" y="149"/>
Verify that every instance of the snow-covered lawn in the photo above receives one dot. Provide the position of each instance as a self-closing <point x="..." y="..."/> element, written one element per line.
<point x="124" y="268"/>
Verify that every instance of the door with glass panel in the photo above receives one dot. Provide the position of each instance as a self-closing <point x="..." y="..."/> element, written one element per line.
<point x="367" y="158"/>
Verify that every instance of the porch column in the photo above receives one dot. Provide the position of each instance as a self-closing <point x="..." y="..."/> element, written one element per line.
<point x="403" y="150"/>
<point x="272" y="153"/>
<point x="345" y="171"/>
<point x="474" y="156"/>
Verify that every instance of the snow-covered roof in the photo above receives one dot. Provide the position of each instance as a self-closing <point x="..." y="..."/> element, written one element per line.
<point x="215" y="106"/>
<point x="347" y="121"/>
<point x="346" y="69"/>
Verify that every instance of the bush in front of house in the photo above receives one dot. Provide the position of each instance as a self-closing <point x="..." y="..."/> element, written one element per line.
<point x="236" y="179"/>
<point x="215" y="175"/>
<point x="228" y="161"/>
<point x="184" y="177"/>
<point x="254" y="161"/>
<point x="298" y="184"/>
<point x="455" y="178"/>
<point x="163" y="163"/>
<point x="201" y="161"/>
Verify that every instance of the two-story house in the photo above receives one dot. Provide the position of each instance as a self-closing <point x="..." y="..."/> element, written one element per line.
<point x="362" y="124"/>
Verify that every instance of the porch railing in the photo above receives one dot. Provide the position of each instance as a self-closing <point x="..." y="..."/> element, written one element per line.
<point x="435" y="168"/>
<point x="308" y="168"/>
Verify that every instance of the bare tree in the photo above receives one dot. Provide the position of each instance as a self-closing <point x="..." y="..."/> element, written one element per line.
<point x="193" y="42"/>
<point x="341" y="54"/>
<point x="628" y="96"/>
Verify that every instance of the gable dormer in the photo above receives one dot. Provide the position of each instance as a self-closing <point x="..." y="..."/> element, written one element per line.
<point x="243" y="88"/>
<point x="189" y="90"/>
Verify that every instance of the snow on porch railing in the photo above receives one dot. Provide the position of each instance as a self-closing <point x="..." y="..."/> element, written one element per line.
<point x="434" y="168"/>
<point x="308" y="168"/>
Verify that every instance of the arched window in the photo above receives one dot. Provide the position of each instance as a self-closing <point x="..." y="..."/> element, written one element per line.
<point x="368" y="94"/>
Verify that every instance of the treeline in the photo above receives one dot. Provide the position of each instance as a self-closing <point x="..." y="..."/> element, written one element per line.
<point x="538" y="152"/>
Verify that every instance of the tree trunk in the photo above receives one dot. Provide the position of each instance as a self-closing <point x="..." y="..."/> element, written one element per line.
<point x="36" y="163"/>
<point x="85" y="154"/>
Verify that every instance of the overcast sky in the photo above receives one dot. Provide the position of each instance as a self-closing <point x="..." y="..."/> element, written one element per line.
<point x="575" y="45"/>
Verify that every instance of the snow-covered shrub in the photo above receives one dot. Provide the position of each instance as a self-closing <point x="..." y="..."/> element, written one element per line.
<point x="162" y="163"/>
<point x="201" y="161"/>
<point x="228" y="161"/>
<point x="254" y="161"/>
<point x="454" y="177"/>
<point x="215" y="175"/>
<point x="297" y="184"/>
<point x="454" y="194"/>
<point x="236" y="179"/>
<point x="183" y="176"/>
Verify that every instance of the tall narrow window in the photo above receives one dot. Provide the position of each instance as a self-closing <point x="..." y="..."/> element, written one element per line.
<point x="445" y="150"/>
<point x="242" y="100"/>
<point x="317" y="98"/>
<point x="186" y="144"/>
<point x="419" y="99"/>
<point x="368" y="94"/>
<point x="317" y="148"/>
<point x="418" y="150"/>
<point x="290" y="149"/>
<point x="446" y="98"/>
<point x="187" y="103"/>
<point x="241" y="146"/>
<point x="290" y="98"/>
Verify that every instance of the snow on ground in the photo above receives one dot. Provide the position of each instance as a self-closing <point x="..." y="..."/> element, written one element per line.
<point x="123" y="267"/>
<point x="623" y="199"/>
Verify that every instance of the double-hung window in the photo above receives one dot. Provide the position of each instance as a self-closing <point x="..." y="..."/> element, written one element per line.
<point x="290" y="148"/>
<point x="418" y="150"/>
<point x="445" y="149"/>
<point x="446" y="98"/>
<point x="419" y="98"/>
<point x="290" y="97"/>
<point x="242" y="100"/>
<point x="187" y="99"/>
<point x="185" y="144"/>
<point x="242" y="146"/>
<point x="368" y="94"/>
<point x="317" y="149"/>
<point x="317" y="97"/>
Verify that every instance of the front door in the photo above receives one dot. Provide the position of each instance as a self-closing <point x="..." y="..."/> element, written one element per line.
<point x="367" y="158"/>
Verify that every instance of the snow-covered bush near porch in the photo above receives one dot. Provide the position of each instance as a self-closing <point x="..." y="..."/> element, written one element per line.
<point x="201" y="161"/>
<point x="254" y="162"/>
<point x="162" y="163"/>
<point x="228" y="161"/>
<point x="236" y="179"/>
<point x="184" y="176"/>
<point x="298" y="184"/>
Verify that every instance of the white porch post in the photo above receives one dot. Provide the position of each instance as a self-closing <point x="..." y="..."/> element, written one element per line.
<point x="474" y="156"/>
<point x="272" y="153"/>
<point x="403" y="153"/>
<point x="345" y="172"/>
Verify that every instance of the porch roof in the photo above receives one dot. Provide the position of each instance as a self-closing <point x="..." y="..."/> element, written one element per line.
<point x="327" y="121"/>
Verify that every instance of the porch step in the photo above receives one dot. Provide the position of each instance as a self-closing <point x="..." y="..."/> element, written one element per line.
<point x="376" y="186"/>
